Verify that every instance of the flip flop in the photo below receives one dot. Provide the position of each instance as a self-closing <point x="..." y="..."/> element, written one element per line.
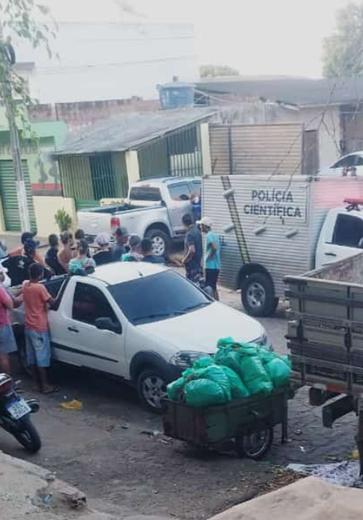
<point x="52" y="390"/>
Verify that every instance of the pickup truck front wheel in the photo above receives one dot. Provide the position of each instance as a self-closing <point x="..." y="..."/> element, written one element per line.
<point x="151" y="387"/>
<point x="160" y="241"/>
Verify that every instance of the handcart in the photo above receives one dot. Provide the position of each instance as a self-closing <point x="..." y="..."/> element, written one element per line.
<point x="248" y="422"/>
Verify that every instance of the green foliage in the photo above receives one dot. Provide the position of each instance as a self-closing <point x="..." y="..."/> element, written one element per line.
<point x="27" y="20"/>
<point x="63" y="220"/>
<point x="343" y="50"/>
<point x="213" y="71"/>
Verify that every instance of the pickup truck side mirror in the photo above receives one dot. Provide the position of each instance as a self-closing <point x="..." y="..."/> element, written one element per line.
<point x="108" y="324"/>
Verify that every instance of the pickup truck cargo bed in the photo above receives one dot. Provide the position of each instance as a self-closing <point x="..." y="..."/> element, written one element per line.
<point x="325" y="331"/>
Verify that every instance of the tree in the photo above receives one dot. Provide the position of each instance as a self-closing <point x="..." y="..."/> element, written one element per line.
<point x="22" y="19"/>
<point x="343" y="50"/>
<point x="213" y="71"/>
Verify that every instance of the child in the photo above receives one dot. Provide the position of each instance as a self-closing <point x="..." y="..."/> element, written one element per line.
<point x="37" y="337"/>
<point x="82" y="262"/>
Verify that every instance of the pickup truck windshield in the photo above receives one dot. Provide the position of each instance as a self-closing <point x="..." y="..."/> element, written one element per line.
<point x="157" y="297"/>
<point x="145" y="193"/>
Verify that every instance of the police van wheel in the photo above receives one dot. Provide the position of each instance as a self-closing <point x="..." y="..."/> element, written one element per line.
<point x="258" y="295"/>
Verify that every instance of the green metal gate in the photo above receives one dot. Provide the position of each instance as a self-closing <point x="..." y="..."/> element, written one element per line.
<point x="9" y="197"/>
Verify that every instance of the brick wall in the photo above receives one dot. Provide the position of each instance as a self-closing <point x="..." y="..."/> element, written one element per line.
<point x="78" y="115"/>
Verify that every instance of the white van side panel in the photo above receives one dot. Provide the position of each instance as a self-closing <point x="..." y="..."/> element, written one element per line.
<point x="269" y="219"/>
<point x="273" y="221"/>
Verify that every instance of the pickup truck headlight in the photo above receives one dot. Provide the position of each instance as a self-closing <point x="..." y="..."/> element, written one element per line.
<point x="263" y="341"/>
<point x="186" y="359"/>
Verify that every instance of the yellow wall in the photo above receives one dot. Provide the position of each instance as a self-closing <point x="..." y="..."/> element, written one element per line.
<point x="45" y="209"/>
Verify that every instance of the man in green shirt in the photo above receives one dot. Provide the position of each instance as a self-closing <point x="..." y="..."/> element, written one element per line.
<point x="212" y="256"/>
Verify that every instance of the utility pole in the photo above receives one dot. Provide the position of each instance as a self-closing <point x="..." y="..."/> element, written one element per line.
<point x="24" y="216"/>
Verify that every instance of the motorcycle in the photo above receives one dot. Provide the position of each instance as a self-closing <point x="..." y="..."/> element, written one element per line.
<point x="15" y="415"/>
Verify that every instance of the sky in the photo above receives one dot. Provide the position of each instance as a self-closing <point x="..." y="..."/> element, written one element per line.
<point x="257" y="37"/>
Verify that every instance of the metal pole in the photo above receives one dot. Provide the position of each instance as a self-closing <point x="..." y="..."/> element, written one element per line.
<point x="24" y="216"/>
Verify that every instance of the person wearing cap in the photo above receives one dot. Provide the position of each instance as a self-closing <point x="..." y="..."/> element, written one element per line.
<point x="121" y="239"/>
<point x="18" y="266"/>
<point x="134" y="255"/>
<point x="104" y="255"/>
<point x="212" y="257"/>
<point x="7" y="339"/>
<point x="25" y="237"/>
<point x="193" y="248"/>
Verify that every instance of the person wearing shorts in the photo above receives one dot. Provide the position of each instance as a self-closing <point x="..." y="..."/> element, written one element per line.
<point x="7" y="339"/>
<point x="212" y="257"/>
<point x="37" y="337"/>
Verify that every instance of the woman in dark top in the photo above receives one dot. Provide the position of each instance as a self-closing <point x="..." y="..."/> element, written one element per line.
<point x="104" y="255"/>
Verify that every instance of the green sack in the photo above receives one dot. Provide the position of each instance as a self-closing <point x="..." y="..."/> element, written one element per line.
<point x="238" y="389"/>
<point x="254" y="374"/>
<point x="175" y="389"/>
<point x="266" y="355"/>
<point x="204" y="392"/>
<point x="203" y="363"/>
<point x="227" y="356"/>
<point x="217" y="375"/>
<point x="279" y="372"/>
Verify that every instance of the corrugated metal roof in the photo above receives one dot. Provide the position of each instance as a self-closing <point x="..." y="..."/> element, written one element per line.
<point x="296" y="91"/>
<point x="131" y="130"/>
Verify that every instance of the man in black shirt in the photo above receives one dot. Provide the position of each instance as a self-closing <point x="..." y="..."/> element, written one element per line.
<point x="193" y="249"/>
<point x="51" y="257"/>
<point x="147" y="251"/>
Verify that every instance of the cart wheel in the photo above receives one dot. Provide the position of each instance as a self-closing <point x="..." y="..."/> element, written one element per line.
<point x="255" y="445"/>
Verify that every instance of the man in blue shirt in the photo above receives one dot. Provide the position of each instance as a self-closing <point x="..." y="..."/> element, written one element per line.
<point x="212" y="257"/>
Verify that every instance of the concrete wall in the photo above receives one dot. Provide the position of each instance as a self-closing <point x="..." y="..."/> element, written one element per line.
<point x="45" y="209"/>
<point x="329" y="126"/>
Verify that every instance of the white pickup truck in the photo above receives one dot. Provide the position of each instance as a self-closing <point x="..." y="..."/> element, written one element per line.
<point x="138" y="321"/>
<point x="153" y="209"/>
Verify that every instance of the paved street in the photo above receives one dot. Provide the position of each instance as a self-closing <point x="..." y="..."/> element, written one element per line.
<point x="113" y="449"/>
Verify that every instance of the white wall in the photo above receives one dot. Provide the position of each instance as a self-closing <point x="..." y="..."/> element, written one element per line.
<point x="111" y="61"/>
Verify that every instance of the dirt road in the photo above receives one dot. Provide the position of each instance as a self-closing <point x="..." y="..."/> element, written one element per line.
<point x="113" y="449"/>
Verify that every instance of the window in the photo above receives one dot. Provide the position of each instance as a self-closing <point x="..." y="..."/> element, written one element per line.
<point x="180" y="192"/>
<point x="346" y="162"/>
<point x="89" y="304"/>
<point x="145" y="193"/>
<point x="348" y="231"/>
<point x="359" y="161"/>
<point x="157" y="297"/>
<point x="197" y="188"/>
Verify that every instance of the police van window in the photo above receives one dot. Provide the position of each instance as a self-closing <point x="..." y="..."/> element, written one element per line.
<point x="348" y="231"/>
<point x="180" y="192"/>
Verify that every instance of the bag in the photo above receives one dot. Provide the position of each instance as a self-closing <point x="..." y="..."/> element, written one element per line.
<point x="228" y="356"/>
<point x="254" y="374"/>
<point x="279" y="372"/>
<point x="217" y="375"/>
<point x="238" y="389"/>
<point x="175" y="389"/>
<point x="203" y="363"/>
<point x="203" y="392"/>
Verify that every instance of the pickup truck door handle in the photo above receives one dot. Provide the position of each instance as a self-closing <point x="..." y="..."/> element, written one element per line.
<point x="330" y="254"/>
<point x="71" y="329"/>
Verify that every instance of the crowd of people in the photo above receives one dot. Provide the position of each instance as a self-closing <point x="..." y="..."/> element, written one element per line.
<point x="25" y="267"/>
